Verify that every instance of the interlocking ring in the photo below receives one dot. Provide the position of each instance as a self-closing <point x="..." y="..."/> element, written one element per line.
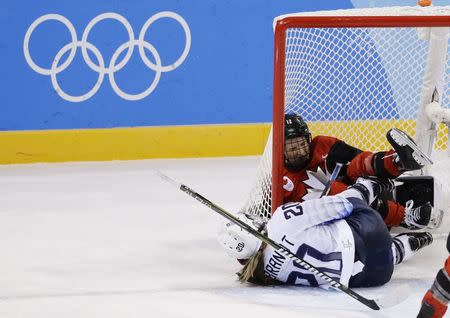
<point x="113" y="66"/>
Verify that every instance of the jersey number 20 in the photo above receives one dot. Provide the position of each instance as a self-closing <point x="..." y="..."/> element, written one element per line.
<point x="292" y="209"/>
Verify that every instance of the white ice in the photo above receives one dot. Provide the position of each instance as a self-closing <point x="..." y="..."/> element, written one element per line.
<point x="111" y="239"/>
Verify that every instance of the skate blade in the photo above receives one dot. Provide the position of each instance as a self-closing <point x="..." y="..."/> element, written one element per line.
<point x="436" y="219"/>
<point x="400" y="137"/>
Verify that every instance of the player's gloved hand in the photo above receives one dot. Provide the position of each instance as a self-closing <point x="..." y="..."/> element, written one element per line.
<point x="370" y="188"/>
<point x="384" y="185"/>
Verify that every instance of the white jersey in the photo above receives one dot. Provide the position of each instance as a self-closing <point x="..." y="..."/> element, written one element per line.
<point x="315" y="232"/>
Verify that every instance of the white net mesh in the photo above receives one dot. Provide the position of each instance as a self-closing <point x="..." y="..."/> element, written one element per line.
<point x="354" y="84"/>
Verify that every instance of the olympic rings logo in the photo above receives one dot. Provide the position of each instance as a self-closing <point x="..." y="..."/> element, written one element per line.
<point x="113" y="66"/>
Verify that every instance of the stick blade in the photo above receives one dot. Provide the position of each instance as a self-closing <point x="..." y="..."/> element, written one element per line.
<point x="165" y="177"/>
<point x="394" y="297"/>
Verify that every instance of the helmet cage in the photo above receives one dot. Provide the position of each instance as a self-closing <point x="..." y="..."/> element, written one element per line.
<point x="297" y="142"/>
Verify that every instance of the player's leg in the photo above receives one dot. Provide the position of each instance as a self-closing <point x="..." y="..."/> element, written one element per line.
<point x="406" y="156"/>
<point x="373" y="254"/>
<point x="409" y="217"/>
<point x="391" y="212"/>
<point x="409" y="155"/>
<point x="417" y="217"/>
<point x="405" y="245"/>
<point x="410" y="205"/>
<point x="417" y="195"/>
<point x="435" y="301"/>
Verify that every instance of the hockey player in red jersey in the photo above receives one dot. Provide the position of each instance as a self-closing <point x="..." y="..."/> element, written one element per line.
<point x="309" y="160"/>
<point x="435" y="301"/>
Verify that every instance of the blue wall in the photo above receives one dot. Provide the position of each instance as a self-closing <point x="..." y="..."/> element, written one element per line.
<point x="390" y="3"/>
<point x="225" y="78"/>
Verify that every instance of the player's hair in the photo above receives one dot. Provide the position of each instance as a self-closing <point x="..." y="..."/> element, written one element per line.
<point x="253" y="270"/>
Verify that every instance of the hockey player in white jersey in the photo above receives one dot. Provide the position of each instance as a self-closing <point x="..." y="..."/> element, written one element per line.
<point x="340" y="235"/>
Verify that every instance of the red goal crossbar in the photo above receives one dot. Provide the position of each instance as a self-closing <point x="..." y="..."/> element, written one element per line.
<point x="287" y="22"/>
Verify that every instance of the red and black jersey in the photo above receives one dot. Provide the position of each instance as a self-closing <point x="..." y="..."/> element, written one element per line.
<point x="308" y="183"/>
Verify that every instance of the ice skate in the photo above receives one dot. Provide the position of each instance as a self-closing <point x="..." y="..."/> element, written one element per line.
<point x="405" y="245"/>
<point x="418" y="240"/>
<point x="410" y="156"/>
<point x="421" y="217"/>
<point x="416" y="218"/>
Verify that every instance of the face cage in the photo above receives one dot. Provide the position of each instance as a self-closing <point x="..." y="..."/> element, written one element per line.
<point x="297" y="152"/>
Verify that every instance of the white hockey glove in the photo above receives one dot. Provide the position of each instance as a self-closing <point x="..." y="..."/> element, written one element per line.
<point x="238" y="242"/>
<point x="368" y="189"/>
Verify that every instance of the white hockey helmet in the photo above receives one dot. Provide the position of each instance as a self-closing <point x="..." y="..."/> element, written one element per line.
<point x="238" y="242"/>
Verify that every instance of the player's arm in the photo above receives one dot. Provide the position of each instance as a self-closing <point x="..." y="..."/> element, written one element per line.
<point x="357" y="163"/>
<point x="300" y="216"/>
<point x="367" y="190"/>
<point x="342" y="153"/>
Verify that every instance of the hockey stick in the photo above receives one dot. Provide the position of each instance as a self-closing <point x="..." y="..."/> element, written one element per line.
<point x="387" y="301"/>
<point x="333" y="177"/>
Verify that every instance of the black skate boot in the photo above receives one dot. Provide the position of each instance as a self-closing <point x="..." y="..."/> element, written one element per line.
<point x="409" y="155"/>
<point x="418" y="240"/>
<point x="407" y="244"/>
<point x="416" y="218"/>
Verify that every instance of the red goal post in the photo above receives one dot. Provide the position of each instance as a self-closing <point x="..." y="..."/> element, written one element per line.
<point x="350" y="71"/>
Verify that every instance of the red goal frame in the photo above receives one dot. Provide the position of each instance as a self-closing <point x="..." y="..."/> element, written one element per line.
<point x="279" y="73"/>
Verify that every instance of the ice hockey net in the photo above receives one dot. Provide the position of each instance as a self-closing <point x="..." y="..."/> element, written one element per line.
<point x="354" y="74"/>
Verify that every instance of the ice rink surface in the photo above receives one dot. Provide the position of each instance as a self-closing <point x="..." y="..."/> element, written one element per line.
<point x="111" y="239"/>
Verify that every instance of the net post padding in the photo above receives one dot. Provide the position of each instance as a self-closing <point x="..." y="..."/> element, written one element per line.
<point x="432" y="84"/>
<point x="278" y="115"/>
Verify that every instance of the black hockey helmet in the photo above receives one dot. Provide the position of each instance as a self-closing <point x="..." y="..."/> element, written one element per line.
<point x="297" y="142"/>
